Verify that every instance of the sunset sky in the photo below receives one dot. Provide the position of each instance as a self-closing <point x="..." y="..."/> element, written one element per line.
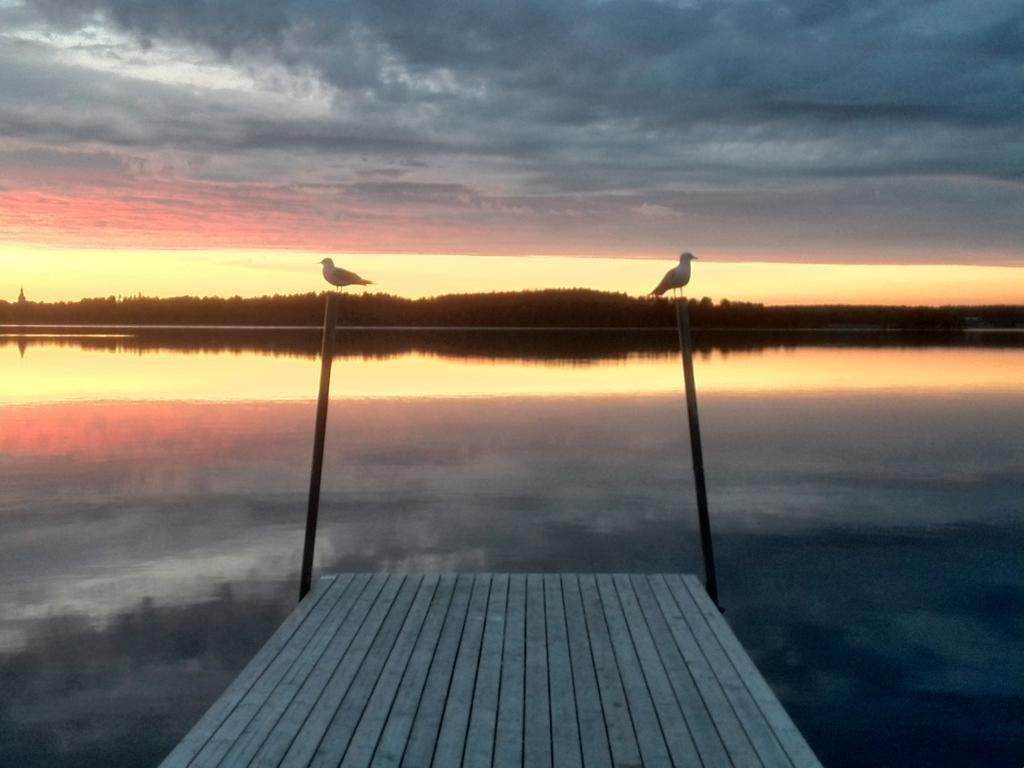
<point x="859" y="152"/>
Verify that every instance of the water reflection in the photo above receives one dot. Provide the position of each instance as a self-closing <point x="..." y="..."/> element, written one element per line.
<point x="629" y="366"/>
<point x="496" y="343"/>
<point x="870" y="548"/>
<point x="121" y="693"/>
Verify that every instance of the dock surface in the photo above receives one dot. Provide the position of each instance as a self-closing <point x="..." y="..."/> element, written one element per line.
<point x="499" y="670"/>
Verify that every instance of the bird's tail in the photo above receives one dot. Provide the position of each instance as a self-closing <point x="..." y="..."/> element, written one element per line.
<point x="659" y="291"/>
<point x="366" y="282"/>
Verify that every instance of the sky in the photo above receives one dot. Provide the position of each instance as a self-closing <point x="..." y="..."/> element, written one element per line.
<point x="854" y="151"/>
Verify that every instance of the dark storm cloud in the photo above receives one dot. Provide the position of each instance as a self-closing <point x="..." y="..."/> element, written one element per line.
<point x="92" y="164"/>
<point x="520" y="102"/>
<point x="576" y="62"/>
<point x="409" y="192"/>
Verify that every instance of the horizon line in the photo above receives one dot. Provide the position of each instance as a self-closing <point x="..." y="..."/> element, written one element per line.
<point x="122" y="298"/>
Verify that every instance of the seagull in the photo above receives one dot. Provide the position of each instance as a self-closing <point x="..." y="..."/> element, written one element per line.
<point x="676" y="277"/>
<point x="341" y="277"/>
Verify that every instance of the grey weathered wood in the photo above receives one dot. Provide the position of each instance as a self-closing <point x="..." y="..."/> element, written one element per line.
<point x="451" y="740"/>
<point x="281" y="736"/>
<point x="271" y="679"/>
<point x="750" y="715"/>
<point x="499" y="670"/>
<point x="537" y="714"/>
<point x="411" y="601"/>
<point x="382" y="697"/>
<point x="508" y="737"/>
<point x="565" y="732"/>
<point x="183" y="753"/>
<point x="678" y="739"/>
<point x="419" y="749"/>
<point x="309" y="735"/>
<point x="618" y="719"/>
<point x="395" y="735"/>
<point x="727" y="722"/>
<point x="646" y="725"/>
<point x="785" y="730"/>
<point x="589" y="713"/>
<point x="484" y="714"/>
<point x="693" y="708"/>
<point x="249" y="741"/>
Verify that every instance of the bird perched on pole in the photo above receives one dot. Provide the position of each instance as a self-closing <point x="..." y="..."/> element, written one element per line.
<point x="341" y="277"/>
<point x="676" y="277"/>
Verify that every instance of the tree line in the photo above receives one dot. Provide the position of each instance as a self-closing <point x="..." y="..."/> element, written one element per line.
<point x="571" y="308"/>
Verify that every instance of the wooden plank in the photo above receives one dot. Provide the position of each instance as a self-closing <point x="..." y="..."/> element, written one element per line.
<point x="508" y="739"/>
<point x="306" y="740"/>
<point x="589" y="714"/>
<point x="727" y="721"/>
<point x="250" y="704"/>
<point x="754" y="724"/>
<point x="538" y="670"/>
<point x="674" y="727"/>
<point x="249" y="741"/>
<point x="785" y="730"/>
<point x="484" y="713"/>
<point x="451" y="739"/>
<point x="618" y="720"/>
<point x="395" y="733"/>
<point x="201" y="732"/>
<point x="537" y="711"/>
<point x="565" y="731"/>
<point x="693" y="708"/>
<point x="371" y="723"/>
<point x="425" y="724"/>
<point x="280" y="737"/>
<point x="646" y="722"/>
<point x="412" y="602"/>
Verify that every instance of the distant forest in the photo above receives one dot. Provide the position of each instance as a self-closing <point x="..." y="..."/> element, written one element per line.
<point x="576" y="308"/>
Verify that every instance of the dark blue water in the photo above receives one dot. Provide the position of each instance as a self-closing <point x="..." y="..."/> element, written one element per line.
<point x="870" y="538"/>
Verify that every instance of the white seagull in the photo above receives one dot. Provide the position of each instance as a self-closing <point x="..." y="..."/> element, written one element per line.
<point x="676" y="277"/>
<point x="341" y="277"/>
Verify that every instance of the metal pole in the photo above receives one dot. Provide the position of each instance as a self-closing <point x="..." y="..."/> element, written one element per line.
<point x="686" y="348"/>
<point x="326" y="358"/>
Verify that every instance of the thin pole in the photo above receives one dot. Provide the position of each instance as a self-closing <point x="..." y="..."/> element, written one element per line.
<point x="686" y="348"/>
<point x="326" y="358"/>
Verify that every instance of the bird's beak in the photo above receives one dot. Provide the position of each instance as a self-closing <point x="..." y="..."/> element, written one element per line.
<point x="695" y="258"/>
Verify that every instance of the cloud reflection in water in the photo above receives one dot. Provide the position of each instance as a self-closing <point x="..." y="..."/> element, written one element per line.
<point x="869" y="547"/>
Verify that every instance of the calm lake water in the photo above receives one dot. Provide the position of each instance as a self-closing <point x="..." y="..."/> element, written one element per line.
<point x="866" y="493"/>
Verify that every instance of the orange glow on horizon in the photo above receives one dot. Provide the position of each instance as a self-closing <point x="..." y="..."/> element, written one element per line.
<point x="42" y="376"/>
<point x="58" y="274"/>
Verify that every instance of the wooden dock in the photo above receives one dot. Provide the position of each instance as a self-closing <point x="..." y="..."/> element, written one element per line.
<point x="499" y="670"/>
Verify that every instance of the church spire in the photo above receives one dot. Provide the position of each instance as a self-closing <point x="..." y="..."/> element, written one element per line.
<point x="21" y="296"/>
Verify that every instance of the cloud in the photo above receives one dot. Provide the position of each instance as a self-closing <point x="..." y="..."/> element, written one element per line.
<point x="619" y="71"/>
<point x="35" y="163"/>
<point x="536" y="99"/>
